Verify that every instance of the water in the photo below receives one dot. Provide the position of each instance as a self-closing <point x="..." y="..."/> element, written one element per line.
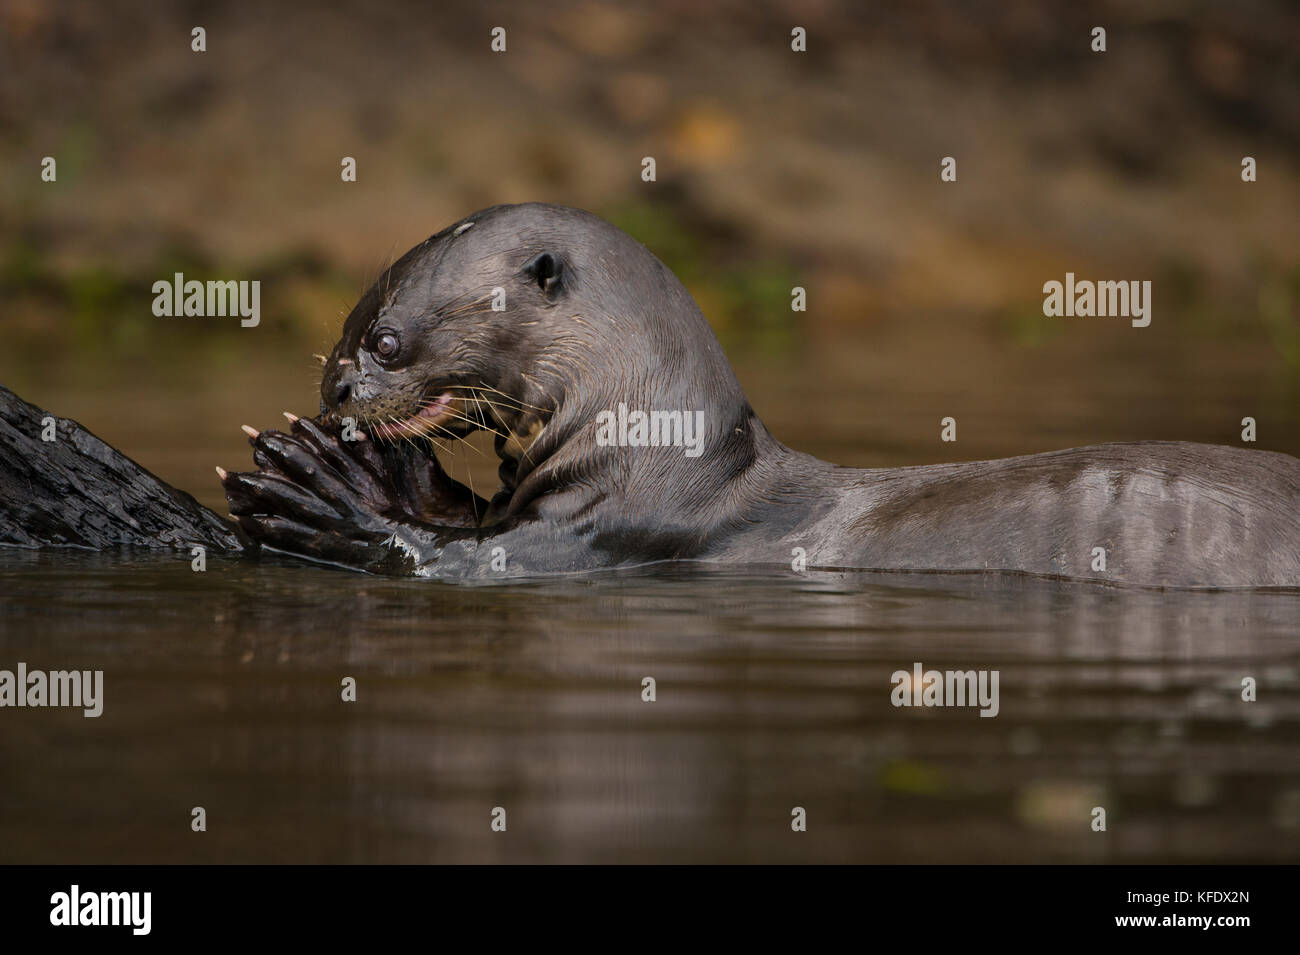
<point x="222" y="690"/>
<point x="773" y="690"/>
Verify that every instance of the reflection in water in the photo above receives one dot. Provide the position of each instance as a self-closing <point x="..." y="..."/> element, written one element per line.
<point x="222" y="690"/>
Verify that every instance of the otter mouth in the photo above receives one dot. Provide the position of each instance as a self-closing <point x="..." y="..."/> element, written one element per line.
<point x="429" y="420"/>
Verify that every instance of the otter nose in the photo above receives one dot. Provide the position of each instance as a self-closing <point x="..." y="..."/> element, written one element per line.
<point x="336" y="387"/>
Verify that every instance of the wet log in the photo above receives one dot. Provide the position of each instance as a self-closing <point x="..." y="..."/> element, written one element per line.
<point x="60" y="486"/>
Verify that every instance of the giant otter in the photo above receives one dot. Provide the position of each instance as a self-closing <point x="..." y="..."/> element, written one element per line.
<point x="582" y="369"/>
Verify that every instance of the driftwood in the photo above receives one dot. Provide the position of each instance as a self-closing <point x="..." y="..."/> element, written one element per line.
<point x="76" y="491"/>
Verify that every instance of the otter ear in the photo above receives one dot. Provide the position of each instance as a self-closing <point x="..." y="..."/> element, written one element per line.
<point x="547" y="270"/>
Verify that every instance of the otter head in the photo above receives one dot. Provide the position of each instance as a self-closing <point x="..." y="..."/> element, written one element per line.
<point x="445" y="341"/>
<point x="533" y="321"/>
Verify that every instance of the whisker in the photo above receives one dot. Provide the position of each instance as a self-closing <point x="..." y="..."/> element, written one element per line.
<point x="473" y="495"/>
<point x="456" y="437"/>
<point x="505" y="437"/>
<point x="422" y="429"/>
<point x="476" y="422"/>
<point x="520" y="404"/>
<point x="438" y="444"/>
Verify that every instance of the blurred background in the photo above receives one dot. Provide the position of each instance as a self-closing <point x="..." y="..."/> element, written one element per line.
<point x="775" y="169"/>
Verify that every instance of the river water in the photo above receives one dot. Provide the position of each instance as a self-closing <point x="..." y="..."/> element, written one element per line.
<point x="772" y="691"/>
<point x="223" y="689"/>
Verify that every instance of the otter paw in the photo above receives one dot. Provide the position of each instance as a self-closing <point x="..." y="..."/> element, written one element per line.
<point x="347" y="502"/>
<point x="312" y="479"/>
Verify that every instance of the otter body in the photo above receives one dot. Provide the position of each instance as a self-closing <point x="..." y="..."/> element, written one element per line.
<point x="545" y="324"/>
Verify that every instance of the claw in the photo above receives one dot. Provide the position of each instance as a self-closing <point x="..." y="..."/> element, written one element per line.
<point x="221" y="472"/>
<point x="251" y="432"/>
<point x="291" y="417"/>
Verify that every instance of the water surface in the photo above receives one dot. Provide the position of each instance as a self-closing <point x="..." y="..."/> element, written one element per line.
<point x="222" y="690"/>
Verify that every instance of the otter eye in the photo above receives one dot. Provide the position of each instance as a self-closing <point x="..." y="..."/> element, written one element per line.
<point x="386" y="345"/>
